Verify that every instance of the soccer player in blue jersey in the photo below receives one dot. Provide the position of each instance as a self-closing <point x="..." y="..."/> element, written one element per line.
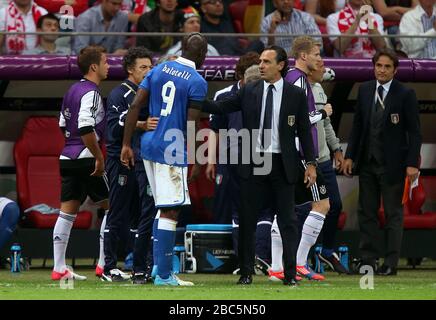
<point x="82" y="168"/>
<point x="174" y="91"/>
<point x="124" y="194"/>
<point x="9" y="214"/>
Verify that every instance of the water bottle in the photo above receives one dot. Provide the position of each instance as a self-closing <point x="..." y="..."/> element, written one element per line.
<point x="178" y="257"/>
<point x="319" y="267"/>
<point x="15" y="257"/>
<point x="343" y="256"/>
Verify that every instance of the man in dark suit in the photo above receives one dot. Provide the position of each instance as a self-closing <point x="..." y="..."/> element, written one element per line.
<point x="384" y="147"/>
<point x="273" y="111"/>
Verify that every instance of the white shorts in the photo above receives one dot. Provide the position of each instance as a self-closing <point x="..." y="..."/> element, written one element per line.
<point x="169" y="184"/>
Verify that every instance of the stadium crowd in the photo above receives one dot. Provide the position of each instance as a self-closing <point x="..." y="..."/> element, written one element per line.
<point x="276" y="19"/>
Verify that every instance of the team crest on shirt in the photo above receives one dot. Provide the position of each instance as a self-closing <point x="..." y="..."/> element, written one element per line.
<point x="291" y="120"/>
<point x="322" y="189"/>
<point x="395" y="118"/>
<point x="219" y="179"/>
<point x="122" y="180"/>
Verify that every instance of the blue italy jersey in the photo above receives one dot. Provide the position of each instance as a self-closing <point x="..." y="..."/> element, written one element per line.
<point x="172" y="87"/>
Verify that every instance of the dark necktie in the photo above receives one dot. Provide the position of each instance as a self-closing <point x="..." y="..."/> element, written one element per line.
<point x="378" y="105"/>
<point x="267" y="119"/>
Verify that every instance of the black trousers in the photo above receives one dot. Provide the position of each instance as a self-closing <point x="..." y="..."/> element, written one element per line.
<point x="123" y="203"/>
<point x="142" y="253"/>
<point x="374" y="186"/>
<point x="256" y="192"/>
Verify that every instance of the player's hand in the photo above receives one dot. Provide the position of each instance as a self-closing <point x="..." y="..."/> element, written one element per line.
<point x="339" y="159"/>
<point x="99" y="168"/>
<point x="328" y="109"/>
<point x="310" y="176"/>
<point x="210" y="172"/>
<point x="127" y="157"/>
<point x="412" y="173"/>
<point x="195" y="172"/>
<point x="347" y="168"/>
<point x="152" y="123"/>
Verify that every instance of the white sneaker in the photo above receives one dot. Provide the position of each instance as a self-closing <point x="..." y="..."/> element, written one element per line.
<point x="115" y="275"/>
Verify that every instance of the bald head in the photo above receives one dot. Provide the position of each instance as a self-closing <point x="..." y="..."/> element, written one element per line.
<point x="194" y="47"/>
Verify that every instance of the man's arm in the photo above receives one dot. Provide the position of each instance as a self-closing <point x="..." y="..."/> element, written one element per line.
<point x="378" y="42"/>
<point x="230" y="104"/>
<point x="141" y="99"/>
<point x="305" y="137"/>
<point x="341" y="43"/>
<point x="356" y="130"/>
<point x="90" y="141"/>
<point x="194" y="112"/>
<point x="82" y="24"/>
<point x="354" y="140"/>
<point x="414" y="46"/>
<point x="86" y="123"/>
<point x="304" y="128"/>
<point x="120" y="42"/>
<point x="413" y="128"/>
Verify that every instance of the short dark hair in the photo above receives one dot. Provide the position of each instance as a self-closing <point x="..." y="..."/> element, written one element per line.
<point x="88" y="56"/>
<point x="134" y="53"/>
<point x="391" y="54"/>
<point x="46" y="16"/>
<point x="280" y="56"/>
<point x="246" y="61"/>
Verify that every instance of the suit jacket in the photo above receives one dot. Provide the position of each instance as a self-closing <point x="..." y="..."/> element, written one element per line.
<point x="401" y="136"/>
<point x="293" y="118"/>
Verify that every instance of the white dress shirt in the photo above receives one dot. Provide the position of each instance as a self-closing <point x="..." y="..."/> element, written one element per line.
<point x="385" y="86"/>
<point x="411" y="24"/>
<point x="277" y="100"/>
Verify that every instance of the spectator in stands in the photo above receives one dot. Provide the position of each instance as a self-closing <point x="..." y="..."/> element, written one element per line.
<point x="287" y="20"/>
<point x="19" y="16"/>
<point x="214" y="22"/>
<point x="321" y="9"/>
<point x="4" y="3"/>
<point x="54" y="6"/>
<point x="47" y="43"/>
<point x="164" y="18"/>
<point x="391" y="11"/>
<point x="191" y="23"/>
<point x="349" y="21"/>
<point x="422" y="21"/>
<point x="106" y="17"/>
<point x="384" y="146"/>
<point x="134" y="9"/>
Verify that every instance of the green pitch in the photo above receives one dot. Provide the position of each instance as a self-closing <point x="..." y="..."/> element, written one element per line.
<point x="36" y="284"/>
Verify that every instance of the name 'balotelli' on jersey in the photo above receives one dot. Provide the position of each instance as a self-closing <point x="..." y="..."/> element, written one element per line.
<point x="172" y="87"/>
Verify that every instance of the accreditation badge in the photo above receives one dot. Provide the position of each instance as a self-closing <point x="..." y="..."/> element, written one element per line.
<point x="395" y="118"/>
<point x="291" y="120"/>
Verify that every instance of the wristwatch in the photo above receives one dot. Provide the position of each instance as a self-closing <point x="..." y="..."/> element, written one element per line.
<point x="313" y="163"/>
